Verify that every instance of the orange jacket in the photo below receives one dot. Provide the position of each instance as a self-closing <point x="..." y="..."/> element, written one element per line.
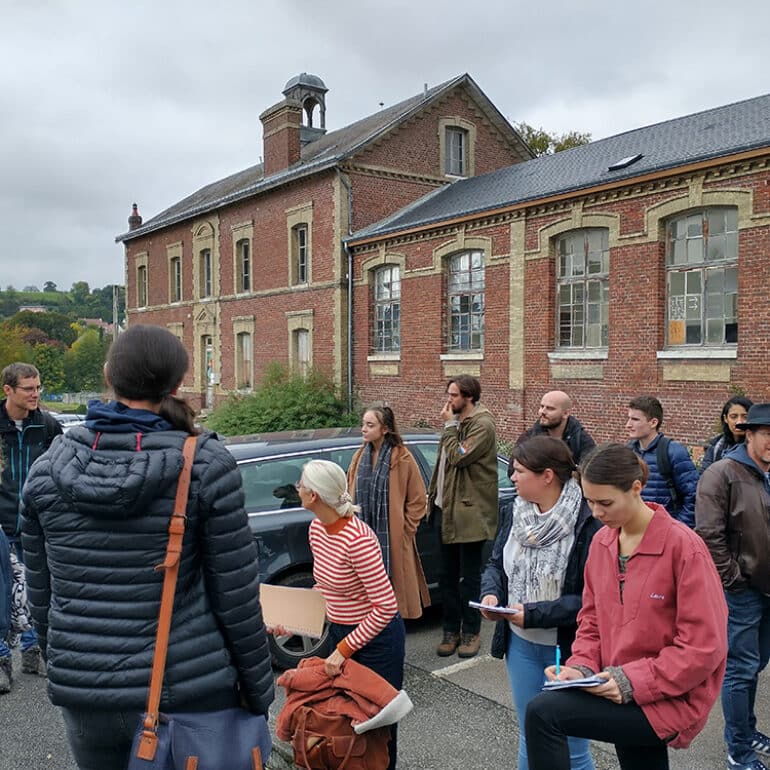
<point x="357" y="692"/>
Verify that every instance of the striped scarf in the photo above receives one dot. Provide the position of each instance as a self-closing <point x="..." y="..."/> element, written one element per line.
<point x="538" y="548"/>
<point x="372" y="494"/>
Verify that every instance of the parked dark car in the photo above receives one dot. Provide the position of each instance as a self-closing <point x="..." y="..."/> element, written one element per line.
<point x="271" y="464"/>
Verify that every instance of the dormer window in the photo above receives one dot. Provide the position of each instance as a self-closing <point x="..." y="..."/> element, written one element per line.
<point x="456" y="151"/>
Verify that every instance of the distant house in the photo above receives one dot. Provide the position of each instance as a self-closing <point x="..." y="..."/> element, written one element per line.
<point x="33" y="308"/>
<point x="252" y="268"/>
<point x="636" y="264"/>
<point x="31" y="288"/>
<point x="108" y="328"/>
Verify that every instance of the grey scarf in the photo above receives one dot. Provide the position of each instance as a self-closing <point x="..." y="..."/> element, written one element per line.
<point x="372" y="494"/>
<point x="536" y="554"/>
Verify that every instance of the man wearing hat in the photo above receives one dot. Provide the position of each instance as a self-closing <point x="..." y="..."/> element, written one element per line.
<point x="732" y="515"/>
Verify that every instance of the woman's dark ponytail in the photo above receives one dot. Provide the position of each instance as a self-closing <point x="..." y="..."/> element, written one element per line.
<point x="179" y="413"/>
<point x="147" y="363"/>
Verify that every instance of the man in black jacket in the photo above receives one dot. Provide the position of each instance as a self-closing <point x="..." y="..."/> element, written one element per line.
<point x="26" y="433"/>
<point x="555" y="419"/>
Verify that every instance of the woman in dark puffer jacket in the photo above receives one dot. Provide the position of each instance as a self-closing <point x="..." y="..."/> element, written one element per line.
<point x="95" y="524"/>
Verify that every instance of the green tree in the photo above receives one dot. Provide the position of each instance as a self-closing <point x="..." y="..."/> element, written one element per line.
<point x="284" y="401"/>
<point x="49" y="286"/>
<point x="12" y="345"/>
<point x="84" y="362"/>
<point x="49" y="359"/>
<point x="543" y="143"/>
<point x="57" y="326"/>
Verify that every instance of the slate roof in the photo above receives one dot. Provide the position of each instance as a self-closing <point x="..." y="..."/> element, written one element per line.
<point x="714" y="133"/>
<point x="325" y="152"/>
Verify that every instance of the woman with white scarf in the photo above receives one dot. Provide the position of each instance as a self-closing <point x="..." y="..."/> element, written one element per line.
<point x="536" y="568"/>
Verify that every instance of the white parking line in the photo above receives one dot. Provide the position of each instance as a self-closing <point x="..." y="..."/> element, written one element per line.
<point x="442" y="673"/>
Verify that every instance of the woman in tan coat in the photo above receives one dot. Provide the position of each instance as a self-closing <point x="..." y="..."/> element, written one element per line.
<point x="385" y="481"/>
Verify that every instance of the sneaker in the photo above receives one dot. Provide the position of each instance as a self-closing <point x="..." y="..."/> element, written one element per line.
<point x="761" y="743"/>
<point x="755" y="764"/>
<point x="32" y="662"/>
<point x="448" y="644"/>
<point x="469" y="646"/>
<point x="6" y="674"/>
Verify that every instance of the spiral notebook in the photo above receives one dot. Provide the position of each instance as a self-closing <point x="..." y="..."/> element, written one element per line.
<point x="299" y="610"/>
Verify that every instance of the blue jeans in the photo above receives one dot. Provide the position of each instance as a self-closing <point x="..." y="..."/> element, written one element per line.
<point x="748" y="651"/>
<point x="100" y="740"/>
<point x="525" y="662"/>
<point x="28" y="638"/>
<point x="385" y="656"/>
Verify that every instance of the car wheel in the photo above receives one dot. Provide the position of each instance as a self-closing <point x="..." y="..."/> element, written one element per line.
<point x="288" y="651"/>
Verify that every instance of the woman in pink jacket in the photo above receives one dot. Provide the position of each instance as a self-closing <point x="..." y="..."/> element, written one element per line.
<point x="653" y="626"/>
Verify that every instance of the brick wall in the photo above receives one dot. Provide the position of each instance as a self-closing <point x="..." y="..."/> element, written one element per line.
<point x="637" y="320"/>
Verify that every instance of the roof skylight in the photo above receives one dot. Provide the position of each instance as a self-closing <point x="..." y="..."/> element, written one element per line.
<point x="625" y="162"/>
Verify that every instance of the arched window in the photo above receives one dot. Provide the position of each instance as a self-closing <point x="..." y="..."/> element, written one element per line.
<point x="702" y="277"/>
<point x="387" y="310"/>
<point x="465" y="292"/>
<point x="583" y="288"/>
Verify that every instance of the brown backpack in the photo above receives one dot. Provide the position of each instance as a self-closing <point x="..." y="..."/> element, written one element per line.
<point x="328" y="742"/>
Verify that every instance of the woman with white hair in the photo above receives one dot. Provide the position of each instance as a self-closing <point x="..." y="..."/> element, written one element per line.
<point x="364" y="623"/>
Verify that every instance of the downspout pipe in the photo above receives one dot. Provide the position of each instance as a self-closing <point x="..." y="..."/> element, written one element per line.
<point x="349" y="255"/>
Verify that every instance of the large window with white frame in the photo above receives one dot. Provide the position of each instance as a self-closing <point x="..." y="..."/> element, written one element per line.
<point x="702" y="278"/>
<point x="583" y="288"/>
<point x="243" y="266"/>
<point x="387" y="310"/>
<point x="465" y="292"/>
<point x="205" y="273"/>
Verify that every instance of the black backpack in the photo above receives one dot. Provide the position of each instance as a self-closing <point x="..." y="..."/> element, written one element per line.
<point x="665" y="470"/>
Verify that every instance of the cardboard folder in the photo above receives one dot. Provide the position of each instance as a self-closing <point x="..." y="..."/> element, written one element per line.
<point x="299" y="610"/>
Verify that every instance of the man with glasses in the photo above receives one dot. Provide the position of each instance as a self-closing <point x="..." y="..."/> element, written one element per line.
<point x="26" y="433"/>
<point x="732" y="514"/>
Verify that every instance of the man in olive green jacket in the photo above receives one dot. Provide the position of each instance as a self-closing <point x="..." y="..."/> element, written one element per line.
<point x="463" y="491"/>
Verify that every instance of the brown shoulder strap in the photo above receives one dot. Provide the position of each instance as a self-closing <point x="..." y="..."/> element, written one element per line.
<point x="149" y="740"/>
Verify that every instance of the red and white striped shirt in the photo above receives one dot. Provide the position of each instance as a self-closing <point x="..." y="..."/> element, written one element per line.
<point x="348" y="570"/>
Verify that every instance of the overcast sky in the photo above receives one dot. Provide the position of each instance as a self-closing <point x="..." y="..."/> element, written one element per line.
<point x="103" y="103"/>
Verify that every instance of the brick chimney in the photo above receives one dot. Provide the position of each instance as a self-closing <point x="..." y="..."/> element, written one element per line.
<point x="281" y="135"/>
<point x="135" y="220"/>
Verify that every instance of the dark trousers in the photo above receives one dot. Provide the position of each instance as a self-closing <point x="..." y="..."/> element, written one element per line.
<point x="385" y="656"/>
<point x="748" y="651"/>
<point x="100" y="740"/>
<point x="459" y="583"/>
<point x="552" y="716"/>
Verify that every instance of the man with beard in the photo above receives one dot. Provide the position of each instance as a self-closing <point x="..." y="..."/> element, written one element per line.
<point x="463" y="492"/>
<point x="555" y="419"/>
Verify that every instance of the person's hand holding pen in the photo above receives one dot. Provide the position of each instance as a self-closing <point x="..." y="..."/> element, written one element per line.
<point x="609" y="690"/>
<point x="490" y="600"/>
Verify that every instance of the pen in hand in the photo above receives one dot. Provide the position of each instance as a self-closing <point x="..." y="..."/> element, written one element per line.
<point x="558" y="659"/>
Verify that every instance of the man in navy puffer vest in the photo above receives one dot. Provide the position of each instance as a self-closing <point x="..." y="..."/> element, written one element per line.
<point x="677" y="492"/>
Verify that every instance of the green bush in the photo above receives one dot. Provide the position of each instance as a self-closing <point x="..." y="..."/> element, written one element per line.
<point x="284" y="401"/>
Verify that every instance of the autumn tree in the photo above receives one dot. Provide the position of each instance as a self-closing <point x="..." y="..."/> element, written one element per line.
<point x="543" y="143"/>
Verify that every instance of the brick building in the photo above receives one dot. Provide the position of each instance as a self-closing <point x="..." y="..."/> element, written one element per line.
<point x="253" y="268"/>
<point x="636" y="264"/>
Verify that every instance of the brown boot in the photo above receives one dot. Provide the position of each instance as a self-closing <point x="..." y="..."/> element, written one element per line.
<point x="469" y="646"/>
<point x="448" y="644"/>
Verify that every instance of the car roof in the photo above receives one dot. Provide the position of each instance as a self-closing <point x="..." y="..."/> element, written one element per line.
<point x="262" y="444"/>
